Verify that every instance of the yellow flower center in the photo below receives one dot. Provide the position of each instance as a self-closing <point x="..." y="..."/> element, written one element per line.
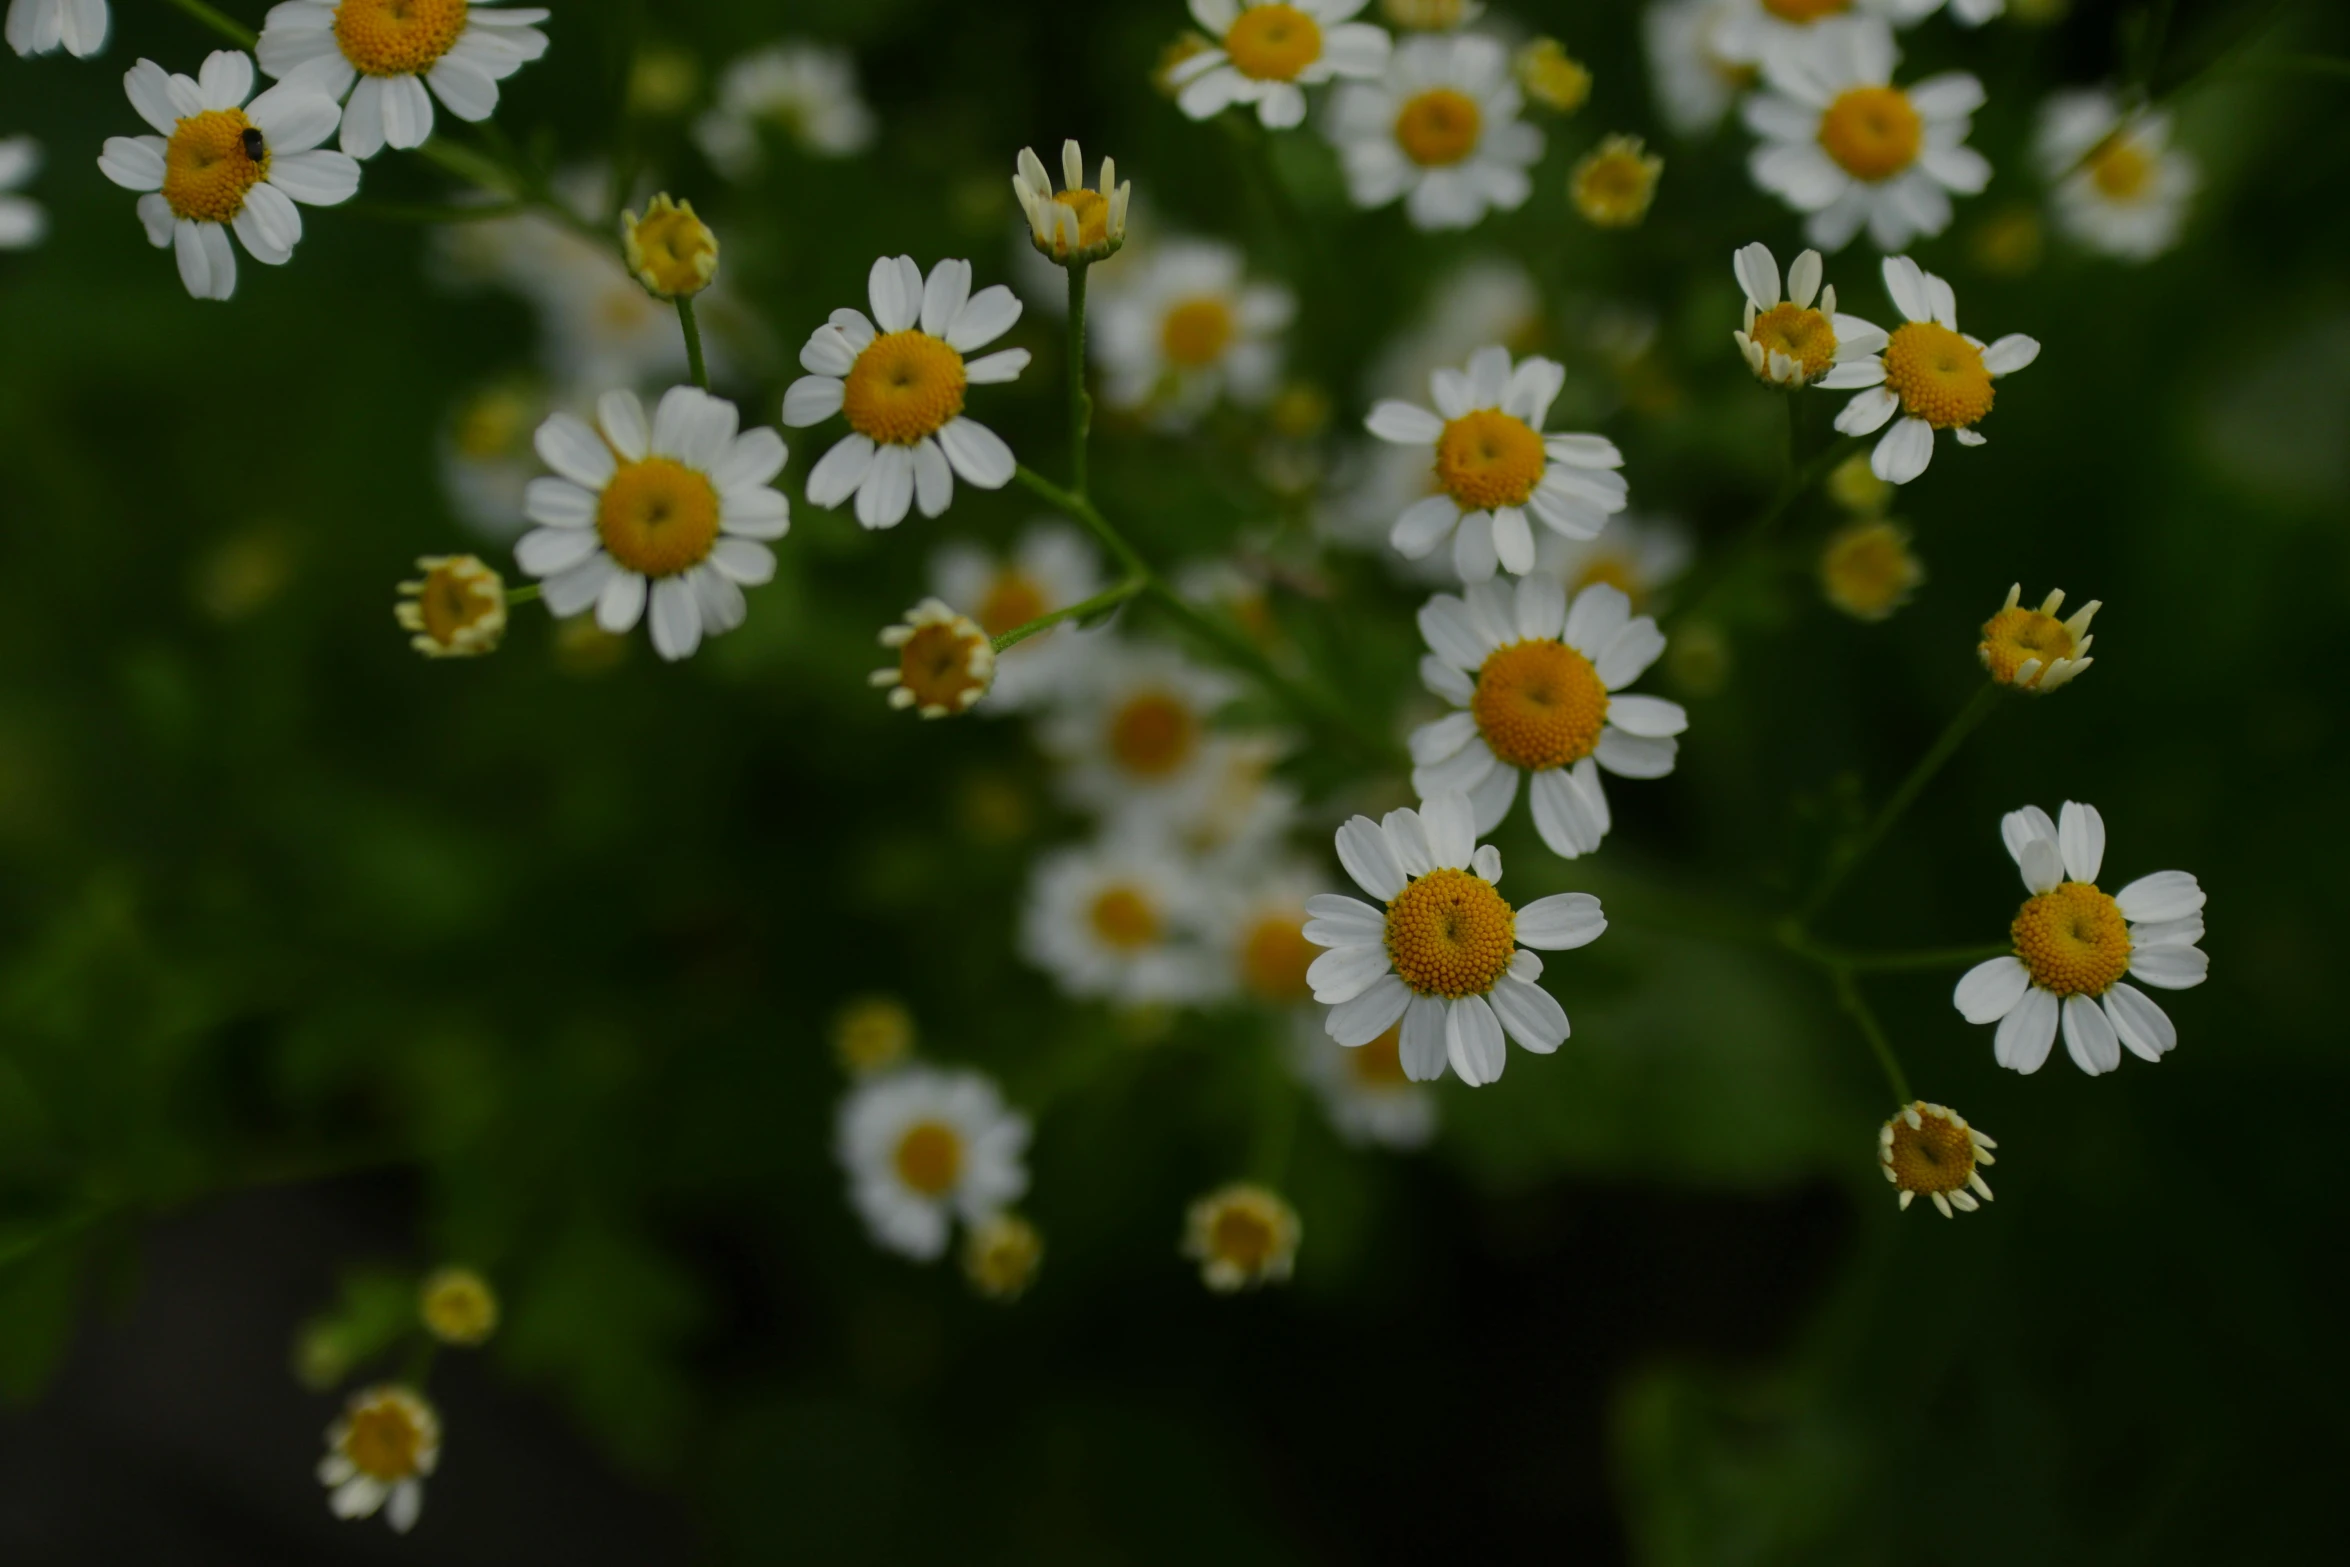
<point x="398" y="37"/>
<point x="672" y="251"/>
<point x="936" y="666"/>
<point x="1487" y="458"/>
<point x="1379" y="1064"/>
<point x="872" y="1034"/>
<point x="1939" y="375"/>
<point x="208" y="166"/>
<point x="1001" y="1256"/>
<point x="1867" y="570"/>
<point x="1539" y="705"/>
<point x="2013" y="636"/>
<point x="1196" y="332"/>
<point x="2073" y="939"/>
<point x="1872" y="132"/>
<point x="1153" y="734"/>
<point x="2121" y="169"/>
<point x="1613" y="185"/>
<point x="1013" y="599"/>
<point x="1935" y="1156"/>
<point x="458" y="594"/>
<point x="1805" y="336"/>
<point x="930" y="1157"/>
<point x="1427" y="15"/>
<point x="1801" y="11"/>
<point x="493" y="424"/>
<point x="1124" y="919"/>
<point x="459" y="1307"/>
<point x="1093" y="216"/>
<point x="657" y="517"/>
<point x="1244" y="1237"/>
<point x="1438" y="127"/>
<point x="1450" y="934"/>
<point x="383" y="1440"/>
<point x="904" y="386"/>
<point x="1274" y="957"/>
<point x="1273" y="43"/>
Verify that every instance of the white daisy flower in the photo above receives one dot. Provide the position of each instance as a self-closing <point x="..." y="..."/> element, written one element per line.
<point x="1256" y="927"/>
<point x="1930" y="373"/>
<point x="1133" y="731"/>
<point x="925" y="1146"/>
<point x="1051" y="567"/>
<point x="1694" y="81"/>
<point x="1638" y="556"/>
<point x="2031" y="649"/>
<point x="1494" y="464"/>
<point x="673" y="514"/>
<point x="1266" y="52"/>
<point x="379" y="1455"/>
<point x="902" y="388"/>
<point x="1441" y="130"/>
<point x="1115" y="921"/>
<point x="1079" y="223"/>
<point x="222" y="163"/>
<point x="807" y="90"/>
<point x="1843" y="144"/>
<point x="1443" y="955"/>
<point x="381" y="55"/>
<point x="1540" y="692"/>
<point x="22" y="222"/>
<point x="1185" y="327"/>
<point x="1364" y="1092"/>
<point x="1786" y="342"/>
<point x="2073" y="944"/>
<point x="79" y="27"/>
<point x="1242" y="1236"/>
<point x="2120" y="187"/>
<point x="1929" y="1151"/>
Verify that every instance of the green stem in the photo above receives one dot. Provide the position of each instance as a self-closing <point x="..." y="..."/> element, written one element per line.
<point x="228" y="27"/>
<point x="693" y="341"/>
<point x="1109" y="598"/>
<point x="1907" y="962"/>
<point x="523" y="594"/>
<point x="489" y="173"/>
<point x="411" y="212"/>
<point x="1080" y="405"/>
<point x="1841" y="862"/>
<point x="1849" y="997"/>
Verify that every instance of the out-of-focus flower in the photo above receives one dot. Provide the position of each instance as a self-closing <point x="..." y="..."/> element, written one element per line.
<point x="675" y="513"/>
<point x="1050" y="568"/>
<point x="486" y="457"/>
<point x="458" y="1307"/>
<point x="2008" y="242"/>
<point x="1613" y="184"/>
<point x="22" y="222"/>
<point x="2073" y="944"/>
<point x="1786" y="342"/>
<point x="872" y="1034"/>
<point x="379" y="1454"/>
<point x="1259" y="930"/>
<point x="457" y="609"/>
<point x="1549" y="76"/>
<point x="1430" y="16"/>
<point x="809" y="91"/>
<point x="1001" y="1254"/>
<point x="1444" y="956"/>
<point x="1186" y="327"/>
<point x="1967" y="13"/>
<point x="662" y="82"/>
<point x="1242" y="1236"/>
<point x="1854" y="485"/>
<point x="670" y="250"/>
<point x="1131" y="730"/>
<point x="1441" y="130"/>
<point x="926" y="1146"/>
<point x="223" y="163"/>
<point x="1867" y="569"/>
<point x="1932" y="375"/>
<point x="1494" y="464"/>
<point x="1930" y="1151"/>
<point x="1080" y="223"/>
<point x="2120" y="187"/>
<point x="1364" y="1091"/>
<point x="1539" y="691"/>
<point x="945" y="661"/>
<point x="79" y="27"/>
<point x="899" y="378"/>
<point x="1266" y="52"/>
<point x="1695" y="81"/>
<point x="1844" y="145"/>
<point x="380" y="55"/>
<point x="1637" y="556"/>
<point x="1115" y="921"/>
<point x="2033" y="650"/>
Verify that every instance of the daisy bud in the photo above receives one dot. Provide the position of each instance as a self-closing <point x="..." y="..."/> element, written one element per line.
<point x="1867" y="570"/>
<point x="872" y="1034"/>
<point x="2033" y="650"/>
<point x="670" y="251"/>
<point x="458" y="610"/>
<point x="662" y="83"/>
<point x="1549" y="76"/>
<point x="945" y="661"/>
<point x="1080" y="225"/>
<point x="378" y="1455"/>
<point x="459" y="1307"/>
<point x="1242" y="1236"/>
<point x="1614" y="183"/>
<point x="1854" y="485"/>
<point x="1930" y="1151"/>
<point x="1000" y="1256"/>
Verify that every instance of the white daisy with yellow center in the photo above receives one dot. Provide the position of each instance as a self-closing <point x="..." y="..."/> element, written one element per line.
<point x="379" y="1454"/>
<point x="945" y="661"/>
<point x="1443" y="952"/>
<point x="1540" y="690"/>
<point x="1638" y="556"/>
<point x="1134" y="734"/>
<point x="22" y="222"/>
<point x="1242" y="1236"/>
<point x="1118" y="921"/>
<point x="1267" y="52"/>
<point x="1441" y="130"/>
<point x="809" y="91"/>
<point x="79" y="27"/>
<point x="1494" y="466"/>
<point x="1051" y="567"/>
<point x="1363" y="1091"/>
<point x="381" y="55"/>
<point x="221" y="163"/>
<point x="457" y="609"/>
<point x="900" y="379"/>
<point x="2120" y="187"/>
<point x="925" y="1146"/>
<point x="1188" y="326"/>
<point x="2031" y="649"/>
<point x="667" y="520"/>
<point x="1785" y="340"/>
<point x="1080" y="222"/>
<point x="1846" y="146"/>
<point x="1929" y="1151"/>
<point x="2073" y="944"/>
<point x="1694" y="80"/>
<point x="1931" y="374"/>
<point x="1256" y="927"/>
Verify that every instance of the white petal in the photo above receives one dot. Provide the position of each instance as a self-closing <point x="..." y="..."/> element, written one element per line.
<point x="1541" y="608"/>
<point x="1364" y="851"/>
<point x="1561" y="922"/>
<point x="2080" y="838"/>
<point x="558" y="503"/>
<point x="934" y="480"/>
<point x="839" y="472"/>
<point x="1407" y="839"/>
<point x="1904" y="452"/>
<point x="1404" y="424"/>
<point x="1513" y="541"/>
<point x="978" y="454"/>
<point x="1451" y="829"/>
<point x="2043" y="865"/>
<point x="2089" y="1037"/>
<point x="2142" y="1025"/>
<point x="1629" y="653"/>
<point x="2171" y="968"/>
<point x="315" y="179"/>
<point x="944" y="295"/>
<point x="1867" y="413"/>
<point x="894" y="287"/>
<point x="1630" y="756"/>
<point x="1473" y="1042"/>
<point x="2025" y="1034"/>
<point x="2018" y="828"/>
<point x="1473" y="555"/>
<point x="1423" y="526"/>
<point x="997" y="368"/>
<point x="622" y="603"/>
<point x="1334" y="920"/>
<point x="1989" y="991"/>
<point x="1531" y="1014"/>
<point x="677" y="619"/>
<point x="991" y="313"/>
<point x="133" y="162"/>
<point x="812" y="399"/>
<point x="1559" y="816"/>
<point x="1423" y="1039"/>
<point x="2011" y="353"/>
<point x="1432" y="743"/>
<point x="543" y="552"/>
<point x="888" y="491"/>
<point x="2165" y="895"/>
<point x="1648" y="717"/>
<point x="1343" y="973"/>
<point x="1600" y="612"/>
<point x="1368" y="1015"/>
<point x="1757" y="271"/>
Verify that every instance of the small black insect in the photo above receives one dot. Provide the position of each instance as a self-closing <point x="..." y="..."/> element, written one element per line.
<point x="255" y="148"/>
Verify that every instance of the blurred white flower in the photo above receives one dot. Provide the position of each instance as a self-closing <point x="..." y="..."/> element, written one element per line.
<point x="807" y="90"/>
<point x="1266" y="52"/>
<point x="1441" y="130"/>
<point x="1364" y="1091"/>
<point x="22" y="222"/>
<point x="1695" y="81"/>
<point x="1051" y="567"/>
<point x="924" y="1146"/>
<point x="379" y="1454"/>
<point x="1132" y="730"/>
<point x="1186" y="326"/>
<point x="1118" y="920"/>
<point x="2120" y="187"/>
<point x="79" y="27"/>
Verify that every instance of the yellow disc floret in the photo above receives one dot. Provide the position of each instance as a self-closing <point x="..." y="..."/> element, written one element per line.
<point x="1539" y="704"/>
<point x="1805" y="336"/>
<point x="2121" y="169"/>
<point x="459" y="1307"/>
<point x="2017" y="636"/>
<point x="1450" y="934"/>
<point x="1439" y="127"/>
<point x="389" y="1435"/>
<point x="1000" y="1256"/>
<point x="1938" y="375"/>
<point x="1152" y="734"/>
<point x="1013" y="599"/>
<point x="1273" y="43"/>
<point x="2073" y="939"/>
<point x="1093" y="216"/>
<point x="208" y="166"/>
<point x="1613" y="184"/>
<point x="1195" y="332"/>
<point x="456" y="610"/>
<point x="903" y="387"/>
<point x="658" y="516"/>
<point x="1124" y="918"/>
<point x="1867" y="569"/>
<point x="1873" y="133"/>
<point x="1274" y="957"/>
<point x="930" y="1157"/>
<point x="1487" y="458"/>
<point x="945" y="666"/>
<point x="398" y="37"/>
<point x="872" y="1034"/>
<point x="670" y="250"/>
<point x="1929" y="1151"/>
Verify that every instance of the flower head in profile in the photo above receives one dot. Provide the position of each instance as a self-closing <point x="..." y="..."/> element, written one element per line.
<point x="1264" y="54"/>
<point x="22" y="222"/>
<point x="1494" y="466"/>
<point x="1867" y="569"/>
<point x="1242" y="1236"/>
<point x="457" y="609"/>
<point x="1185" y="326"/>
<point x="1788" y="342"/>
<point x="1550" y="76"/>
<point x="900" y="378"/>
<point x="2031" y="649"/>
<point x="945" y="661"/>
<point x="1118" y="921"/>
<point x="671" y="516"/>
<point x="872" y="1034"/>
<point x="1079" y="223"/>
<point x="458" y="1307"/>
<point x="1443" y="954"/>
<point x="1364" y="1092"/>
<point x="381" y="55"/>
<point x="808" y="91"/>
<point x="1614" y="183"/>
<point x="1001" y="1254"/>
<point x="926" y="1146"/>
<point x="1931" y="374"/>
<point x="670" y="250"/>
<point x="1929" y="1151"/>
<point x="1440" y="129"/>
<point x="222" y="163"/>
<point x="2121" y="188"/>
<point x="1538" y="691"/>
<point x="2073" y="944"/>
<point x="79" y="27"/>
<point x="379" y="1454"/>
